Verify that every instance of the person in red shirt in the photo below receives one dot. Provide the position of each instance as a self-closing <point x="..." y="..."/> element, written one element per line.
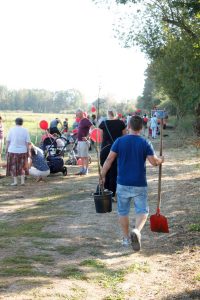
<point x="85" y="125"/>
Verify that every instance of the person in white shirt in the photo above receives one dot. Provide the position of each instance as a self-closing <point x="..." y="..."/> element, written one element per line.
<point x="154" y="125"/>
<point x="17" y="151"/>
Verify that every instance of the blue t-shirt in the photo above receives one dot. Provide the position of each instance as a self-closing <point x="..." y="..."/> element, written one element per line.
<point x="39" y="162"/>
<point x="132" y="151"/>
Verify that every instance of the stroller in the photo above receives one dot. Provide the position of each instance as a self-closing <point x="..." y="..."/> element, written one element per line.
<point x="73" y="153"/>
<point x="54" y="149"/>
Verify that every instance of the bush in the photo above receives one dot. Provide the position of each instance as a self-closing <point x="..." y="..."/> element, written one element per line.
<point x="185" y="126"/>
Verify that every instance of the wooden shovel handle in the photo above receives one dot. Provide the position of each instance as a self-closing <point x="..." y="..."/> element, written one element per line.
<point x="160" y="166"/>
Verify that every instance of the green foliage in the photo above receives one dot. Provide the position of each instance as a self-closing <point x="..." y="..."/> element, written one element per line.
<point x="177" y="72"/>
<point x="40" y="100"/>
<point x="168" y="32"/>
<point x="185" y="126"/>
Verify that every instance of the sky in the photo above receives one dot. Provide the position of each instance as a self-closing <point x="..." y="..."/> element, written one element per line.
<point x="64" y="44"/>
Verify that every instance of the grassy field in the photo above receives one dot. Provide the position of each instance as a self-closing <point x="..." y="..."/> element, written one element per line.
<point x="32" y="120"/>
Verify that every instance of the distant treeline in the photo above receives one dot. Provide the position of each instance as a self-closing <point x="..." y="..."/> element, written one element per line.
<point x="40" y="100"/>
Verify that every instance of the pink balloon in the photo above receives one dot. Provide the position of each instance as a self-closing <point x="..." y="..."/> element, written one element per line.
<point x="93" y="109"/>
<point x="96" y="135"/>
<point x="44" y="125"/>
<point x="79" y="162"/>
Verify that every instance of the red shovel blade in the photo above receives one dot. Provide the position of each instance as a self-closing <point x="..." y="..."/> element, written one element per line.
<point x="158" y="223"/>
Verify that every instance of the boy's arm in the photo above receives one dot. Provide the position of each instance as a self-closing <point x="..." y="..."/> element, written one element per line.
<point x="155" y="160"/>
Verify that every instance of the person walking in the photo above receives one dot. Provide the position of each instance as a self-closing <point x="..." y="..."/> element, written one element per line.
<point x="53" y="128"/>
<point x="131" y="152"/>
<point x="145" y="125"/>
<point x="83" y="144"/>
<point x="17" y="150"/>
<point x="153" y="126"/>
<point x="65" y="126"/>
<point x="112" y="128"/>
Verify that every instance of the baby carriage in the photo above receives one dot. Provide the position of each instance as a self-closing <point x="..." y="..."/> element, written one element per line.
<point x="73" y="153"/>
<point x="54" y="149"/>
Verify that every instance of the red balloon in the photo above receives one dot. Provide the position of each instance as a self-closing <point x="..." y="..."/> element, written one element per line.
<point x="119" y="115"/>
<point x="96" y="135"/>
<point x="44" y="125"/>
<point x="75" y="130"/>
<point x="93" y="109"/>
<point x="77" y="120"/>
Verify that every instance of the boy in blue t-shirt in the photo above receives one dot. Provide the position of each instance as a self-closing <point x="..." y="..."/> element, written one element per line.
<point x="132" y="151"/>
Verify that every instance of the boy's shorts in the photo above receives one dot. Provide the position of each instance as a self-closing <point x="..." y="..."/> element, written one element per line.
<point x="124" y="196"/>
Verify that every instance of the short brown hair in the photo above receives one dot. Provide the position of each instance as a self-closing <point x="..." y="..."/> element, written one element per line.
<point x="136" y="123"/>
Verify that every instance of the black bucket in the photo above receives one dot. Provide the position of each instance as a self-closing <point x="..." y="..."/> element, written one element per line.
<point x="103" y="202"/>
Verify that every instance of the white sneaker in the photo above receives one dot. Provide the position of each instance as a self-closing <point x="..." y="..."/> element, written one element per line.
<point x="136" y="240"/>
<point x="125" y="242"/>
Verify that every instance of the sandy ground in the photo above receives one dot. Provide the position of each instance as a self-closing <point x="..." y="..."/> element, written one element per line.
<point x="167" y="267"/>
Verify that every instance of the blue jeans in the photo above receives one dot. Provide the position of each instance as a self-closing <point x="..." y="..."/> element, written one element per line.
<point x="124" y="196"/>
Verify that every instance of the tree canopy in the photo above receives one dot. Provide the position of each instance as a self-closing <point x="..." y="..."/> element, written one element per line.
<point x="168" y="32"/>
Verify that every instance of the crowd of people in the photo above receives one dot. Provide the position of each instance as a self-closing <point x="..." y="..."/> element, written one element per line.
<point x="125" y="147"/>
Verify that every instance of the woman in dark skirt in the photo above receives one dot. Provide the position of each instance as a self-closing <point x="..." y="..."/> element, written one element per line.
<point x="112" y="129"/>
<point x="17" y="151"/>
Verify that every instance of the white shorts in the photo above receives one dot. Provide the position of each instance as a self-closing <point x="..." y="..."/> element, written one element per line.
<point x="83" y="148"/>
<point x="37" y="173"/>
<point x="1" y="144"/>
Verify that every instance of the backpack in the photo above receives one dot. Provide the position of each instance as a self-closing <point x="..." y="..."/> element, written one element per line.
<point x="145" y="120"/>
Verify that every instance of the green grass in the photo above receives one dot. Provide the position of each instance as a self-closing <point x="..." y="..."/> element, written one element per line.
<point x="25" y="260"/>
<point x="31" y="122"/>
<point x="66" y="250"/>
<point x="26" y="228"/>
<point x="93" y="263"/>
<point x="194" y="227"/>
<point x="109" y="278"/>
<point x="94" y="252"/>
<point x="72" y="272"/>
<point x="18" y="265"/>
<point x="22" y="265"/>
<point x="197" y="277"/>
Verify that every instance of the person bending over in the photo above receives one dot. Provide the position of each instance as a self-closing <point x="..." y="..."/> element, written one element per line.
<point x="37" y="164"/>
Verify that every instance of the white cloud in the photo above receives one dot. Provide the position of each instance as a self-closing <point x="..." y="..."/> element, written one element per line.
<point x="61" y="44"/>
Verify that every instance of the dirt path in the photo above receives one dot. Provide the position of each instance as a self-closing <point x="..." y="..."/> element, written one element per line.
<point x="54" y="246"/>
